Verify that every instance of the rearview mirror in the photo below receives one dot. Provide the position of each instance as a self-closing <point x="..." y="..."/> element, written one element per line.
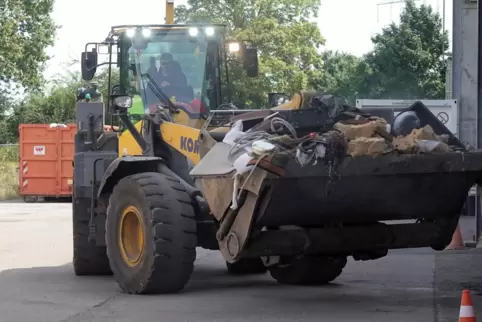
<point x="250" y="60"/>
<point x="122" y="102"/>
<point x="89" y="64"/>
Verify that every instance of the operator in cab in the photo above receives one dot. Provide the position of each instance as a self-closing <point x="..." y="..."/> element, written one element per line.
<point x="172" y="80"/>
<point x="169" y="77"/>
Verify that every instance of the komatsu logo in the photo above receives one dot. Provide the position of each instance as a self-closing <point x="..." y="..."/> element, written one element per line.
<point x="189" y="145"/>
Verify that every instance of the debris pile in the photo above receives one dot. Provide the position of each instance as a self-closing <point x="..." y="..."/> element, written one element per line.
<point x="374" y="138"/>
<point x="328" y="131"/>
<point x="364" y="138"/>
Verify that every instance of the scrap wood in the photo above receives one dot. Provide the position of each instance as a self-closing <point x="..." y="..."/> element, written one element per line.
<point x="405" y="144"/>
<point x="427" y="133"/>
<point x="367" y="130"/>
<point x="367" y="146"/>
<point x="419" y="141"/>
<point x="424" y="133"/>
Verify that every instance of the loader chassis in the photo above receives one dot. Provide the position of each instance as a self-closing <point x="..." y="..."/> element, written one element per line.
<point x="108" y="238"/>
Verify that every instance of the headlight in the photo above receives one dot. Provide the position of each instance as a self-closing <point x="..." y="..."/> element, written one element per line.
<point x="193" y="32"/>
<point x="209" y="31"/>
<point x="146" y="32"/>
<point x="130" y="32"/>
<point x="123" y="102"/>
<point x="233" y="47"/>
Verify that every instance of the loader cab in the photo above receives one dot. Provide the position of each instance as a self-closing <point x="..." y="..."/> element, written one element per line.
<point x="188" y="63"/>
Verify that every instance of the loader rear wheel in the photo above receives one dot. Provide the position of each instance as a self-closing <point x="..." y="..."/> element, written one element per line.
<point x="308" y="270"/>
<point x="151" y="234"/>
<point x="89" y="259"/>
<point x="246" y="266"/>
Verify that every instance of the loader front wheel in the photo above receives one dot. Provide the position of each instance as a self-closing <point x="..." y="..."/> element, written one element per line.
<point x="308" y="270"/>
<point x="151" y="234"/>
<point x="246" y="266"/>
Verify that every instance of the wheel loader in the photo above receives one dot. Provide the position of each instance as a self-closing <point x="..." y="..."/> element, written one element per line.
<point x="148" y="193"/>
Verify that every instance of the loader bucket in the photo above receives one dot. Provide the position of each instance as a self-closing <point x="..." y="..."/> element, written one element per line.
<point x="351" y="208"/>
<point x="389" y="187"/>
<point x="342" y="204"/>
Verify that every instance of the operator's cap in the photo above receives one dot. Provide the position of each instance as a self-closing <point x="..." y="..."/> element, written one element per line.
<point x="167" y="56"/>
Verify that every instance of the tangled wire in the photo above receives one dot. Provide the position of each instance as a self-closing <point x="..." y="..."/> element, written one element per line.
<point x="334" y="141"/>
<point x="251" y="136"/>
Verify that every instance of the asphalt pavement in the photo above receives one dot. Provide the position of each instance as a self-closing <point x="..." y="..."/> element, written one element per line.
<point x="37" y="284"/>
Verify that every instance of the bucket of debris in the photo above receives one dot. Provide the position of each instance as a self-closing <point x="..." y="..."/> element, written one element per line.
<point x="332" y="164"/>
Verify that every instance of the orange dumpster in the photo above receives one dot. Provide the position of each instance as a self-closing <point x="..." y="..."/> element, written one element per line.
<point x="46" y="155"/>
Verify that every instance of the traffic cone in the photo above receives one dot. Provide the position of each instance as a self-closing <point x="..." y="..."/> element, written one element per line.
<point x="467" y="313"/>
<point x="457" y="241"/>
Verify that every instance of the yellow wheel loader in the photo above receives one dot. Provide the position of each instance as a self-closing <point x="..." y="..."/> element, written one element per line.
<point x="150" y="156"/>
<point x="147" y="194"/>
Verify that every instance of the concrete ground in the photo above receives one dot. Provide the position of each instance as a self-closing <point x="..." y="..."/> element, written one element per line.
<point x="37" y="284"/>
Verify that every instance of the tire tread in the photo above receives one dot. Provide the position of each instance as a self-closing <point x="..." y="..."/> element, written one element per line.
<point x="174" y="232"/>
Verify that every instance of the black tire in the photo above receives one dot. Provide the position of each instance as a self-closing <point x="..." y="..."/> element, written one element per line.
<point x="89" y="259"/>
<point x="247" y="266"/>
<point x="30" y="199"/>
<point x="308" y="270"/>
<point x="169" y="230"/>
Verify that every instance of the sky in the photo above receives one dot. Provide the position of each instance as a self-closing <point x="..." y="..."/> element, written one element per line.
<point x="347" y="25"/>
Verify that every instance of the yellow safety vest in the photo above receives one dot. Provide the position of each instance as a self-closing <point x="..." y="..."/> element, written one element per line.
<point x="137" y="106"/>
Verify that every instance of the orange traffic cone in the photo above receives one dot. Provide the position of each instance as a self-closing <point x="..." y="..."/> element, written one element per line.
<point x="467" y="313"/>
<point x="457" y="241"/>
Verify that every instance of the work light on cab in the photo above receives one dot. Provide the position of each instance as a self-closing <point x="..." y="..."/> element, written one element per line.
<point x="146" y="32"/>
<point x="234" y="47"/>
<point x="209" y="31"/>
<point x="130" y="32"/>
<point x="193" y="32"/>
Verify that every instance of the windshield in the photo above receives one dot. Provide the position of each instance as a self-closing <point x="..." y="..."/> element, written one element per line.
<point x="174" y="63"/>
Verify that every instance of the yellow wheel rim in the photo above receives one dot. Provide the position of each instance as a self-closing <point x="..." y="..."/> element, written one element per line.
<point x="131" y="236"/>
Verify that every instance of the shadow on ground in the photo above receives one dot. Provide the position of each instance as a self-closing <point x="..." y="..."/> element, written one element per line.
<point x="371" y="291"/>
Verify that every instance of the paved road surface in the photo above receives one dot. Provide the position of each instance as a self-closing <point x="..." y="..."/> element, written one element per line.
<point x="37" y="284"/>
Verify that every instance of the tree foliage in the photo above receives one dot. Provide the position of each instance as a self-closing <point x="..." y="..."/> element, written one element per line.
<point x="26" y="30"/>
<point x="343" y="75"/>
<point x="5" y="104"/>
<point x="55" y="106"/>
<point x="286" y="38"/>
<point x="408" y="59"/>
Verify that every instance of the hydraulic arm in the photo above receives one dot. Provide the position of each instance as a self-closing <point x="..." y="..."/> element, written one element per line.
<point x="170" y="12"/>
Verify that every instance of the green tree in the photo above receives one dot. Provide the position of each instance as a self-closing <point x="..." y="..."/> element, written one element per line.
<point x="286" y="37"/>
<point x="408" y="59"/>
<point x="55" y="106"/>
<point x="343" y="75"/>
<point x="26" y="30"/>
<point x="5" y="104"/>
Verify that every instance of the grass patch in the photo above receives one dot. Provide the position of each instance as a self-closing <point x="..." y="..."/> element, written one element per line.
<point x="8" y="180"/>
<point x="9" y="153"/>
